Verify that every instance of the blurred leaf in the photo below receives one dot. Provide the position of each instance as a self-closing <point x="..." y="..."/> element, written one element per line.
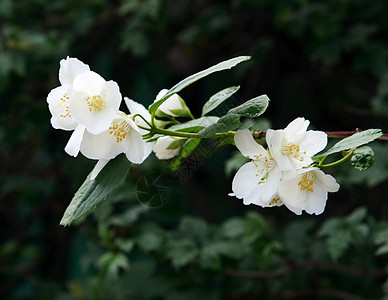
<point x="112" y="263"/>
<point x="94" y="191"/>
<point x="181" y="252"/>
<point x="128" y="217"/>
<point x="234" y="163"/>
<point x="355" y="140"/>
<point x="228" y="64"/>
<point x="363" y="158"/>
<point x="218" y="98"/>
<point x="381" y="239"/>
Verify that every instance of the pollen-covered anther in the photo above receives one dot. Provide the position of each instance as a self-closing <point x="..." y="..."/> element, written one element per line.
<point x="95" y="103"/>
<point x="294" y="151"/>
<point x="119" y="130"/>
<point x="274" y="201"/>
<point x="64" y="102"/>
<point x="306" y="183"/>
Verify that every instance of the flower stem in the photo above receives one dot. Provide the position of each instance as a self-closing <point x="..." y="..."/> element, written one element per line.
<point x="340" y="161"/>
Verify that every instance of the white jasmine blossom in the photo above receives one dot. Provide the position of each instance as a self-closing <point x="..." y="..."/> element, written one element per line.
<point x="256" y="181"/>
<point x="59" y="98"/>
<point x="294" y="146"/>
<point x="94" y="101"/>
<point x="307" y="191"/>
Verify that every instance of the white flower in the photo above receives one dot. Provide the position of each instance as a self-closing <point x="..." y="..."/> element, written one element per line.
<point x="123" y="136"/>
<point x="94" y="101"/>
<point x="293" y="146"/>
<point x="174" y="106"/>
<point x="167" y="147"/>
<point x="256" y="181"/>
<point x="59" y="98"/>
<point x="307" y="191"/>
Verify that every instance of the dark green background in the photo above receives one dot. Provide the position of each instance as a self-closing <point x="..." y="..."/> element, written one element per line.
<point x="323" y="60"/>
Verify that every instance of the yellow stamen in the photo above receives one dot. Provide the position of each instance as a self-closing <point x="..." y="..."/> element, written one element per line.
<point x="306" y="183"/>
<point x="274" y="201"/>
<point x="294" y="150"/>
<point x="119" y="130"/>
<point x="96" y="103"/>
<point x="64" y="102"/>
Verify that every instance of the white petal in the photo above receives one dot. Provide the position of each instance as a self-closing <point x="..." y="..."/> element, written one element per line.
<point x="112" y="95"/>
<point x="58" y="100"/>
<point x="73" y="145"/>
<point x="293" y="198"/>
<point x="98" y="167"/>
<point x="316" y="201"/>
<point x="70" y="68"/>
<point x="90" y="83"/>
<point x="266" y="190"/>
<point x="247" y="145"/>
<point x="100" y="121"/>
<point x="276" y="140"/>
<point x="135" y="152"/>
<point x="171" y="104"/>
<point x="160" y="95"/>
<point x="137" y="108"/>
<point x="102" y="146"/>
<point x="313" y="142"/>
<point x="327" y="181"/>
<point x="246" y="179"/>
<point x="148" y="146"/>
<point x="295" y="127"/>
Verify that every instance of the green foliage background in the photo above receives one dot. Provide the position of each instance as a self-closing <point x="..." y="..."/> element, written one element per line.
<point x="323" y="60"/>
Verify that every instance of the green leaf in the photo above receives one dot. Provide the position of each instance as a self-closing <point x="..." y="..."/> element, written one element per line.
<point x="228" y="64"/>
<point x="218" y="98"/>
<point x="226" y="123"/>
<point x="94" y="191"/>
<point x="355" y="140"/>
<point x="194" y="125"/>
<point x="381" y="239"/>
<point x="252" y="108"/>
<point x="112" y="262"/>
<point x="363" y="158"/>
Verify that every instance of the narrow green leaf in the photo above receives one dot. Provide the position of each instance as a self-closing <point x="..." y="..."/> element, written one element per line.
<point x="363" y="158"/>
<point x="226" y="123"/>
<point x="94" y="191"/>
<point x="228" y="64"/>
<point x="218" y="98"/>
<point x="251" y="108"/>
<point x="194" y="125"/>
<point x="355" y="140"/>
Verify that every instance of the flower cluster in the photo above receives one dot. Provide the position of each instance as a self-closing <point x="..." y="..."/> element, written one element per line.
<point x="89" y="106"/>
<point x="283" y="174"/>
<point x="287" y="172"/>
